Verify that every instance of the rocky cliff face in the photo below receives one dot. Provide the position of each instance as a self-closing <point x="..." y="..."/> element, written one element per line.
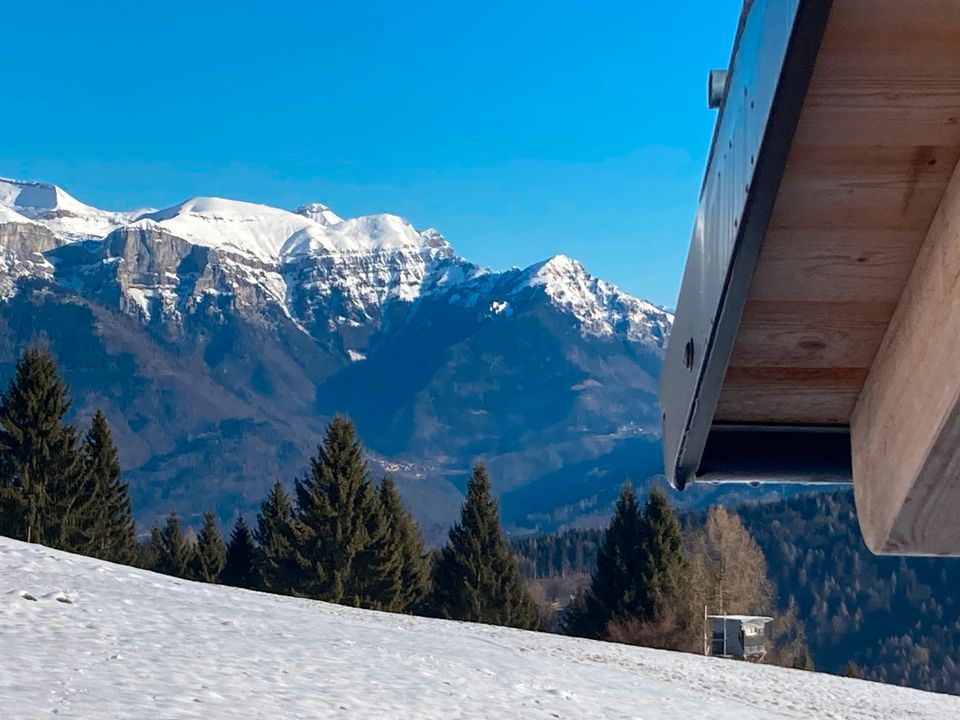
<point x="220" y="335"/>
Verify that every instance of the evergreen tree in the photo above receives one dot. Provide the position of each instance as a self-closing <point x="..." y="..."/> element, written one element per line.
<point x="241" y="568"/>
<point x="149" y="550"/>
<point x="613" y="591"/>
<point x="475" y="576"/>
<point x="399" y="570"/>
<point x="274" y="536"/>
<point x="415" y="566"/>
<point x="210" y="555"/>
<point x="664" y="585"/>
<point x="640" y="590"/>
<point x="42" y="483"/>
<point x="174" y="552"/>
<point x="109" y="532"/>
<point x="378" y="565"/>
<point x="334" y="520"/>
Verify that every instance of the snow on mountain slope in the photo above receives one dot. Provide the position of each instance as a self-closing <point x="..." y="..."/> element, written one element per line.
<point x="246" y="228"/>
<point x="271" y="234"/>
<point x="601" y="308"/>
<point x="84" y="638"/>
<point x="9" y="215"/>
<point x="326" y="273"/>
<point x="66" y="216"/>
<point x="320" y="213"/>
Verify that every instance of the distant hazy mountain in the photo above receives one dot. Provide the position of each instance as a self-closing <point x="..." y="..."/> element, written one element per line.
<point x="219" y="336"/>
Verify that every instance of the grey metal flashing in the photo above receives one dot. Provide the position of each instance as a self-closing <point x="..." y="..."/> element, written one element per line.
<point x="770" y="69"/>
<point x="777" y="453"/>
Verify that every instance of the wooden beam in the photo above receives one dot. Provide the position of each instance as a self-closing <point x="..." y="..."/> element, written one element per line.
<point x="905" y="427"/>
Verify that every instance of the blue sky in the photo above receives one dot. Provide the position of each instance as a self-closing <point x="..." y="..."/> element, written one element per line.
<point x="518" y="129"/>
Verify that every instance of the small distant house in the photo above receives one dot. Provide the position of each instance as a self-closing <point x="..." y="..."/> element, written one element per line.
<point x="736" y="636"/>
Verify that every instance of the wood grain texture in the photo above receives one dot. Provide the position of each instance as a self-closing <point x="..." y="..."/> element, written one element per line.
<point x="805" y="334"/>
<point x="790" y="395"/>
<point x="834" y="266"/>
<point x="905" y="429"/>
<point x="876" y="145"/>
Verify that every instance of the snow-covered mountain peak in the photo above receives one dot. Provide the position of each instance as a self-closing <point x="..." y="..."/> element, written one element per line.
<point x="386" y="232"/>
<point x="319" y="213"/>
<point x="37" y="198"/>
<point x="246" y="228"/>
<point x="433" y="239"/>
<point x="63" y="214"/>
<point x="602" y="309"/>
<point x="369" y="234"/>
<point x="9" y="215"/>
<point x="558" y="266"/>
<point x="274" y="235"/>
<point x="311" y="262"/>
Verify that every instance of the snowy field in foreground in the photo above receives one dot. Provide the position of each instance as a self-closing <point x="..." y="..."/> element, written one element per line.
<point x="134" y="644"/>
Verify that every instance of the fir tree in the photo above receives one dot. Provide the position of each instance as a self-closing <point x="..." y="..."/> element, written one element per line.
<point x="613" y="591"/>
<point x="110" y="532"/>
<point x="475" y="576"/>
<point x="42" y="483"/>
<point x="149" y="551"/>
<point x="174" y="553"/>
<point x="664" y="571"/>
<point x="241" y="568"/>
<point x="274" y="536"/>
<point x="336" y="508"/>
<point x="405" y="537"/>
<point x="377" y="567"/>
<point x="210" y="555"/>
<point x="395" y="564"/>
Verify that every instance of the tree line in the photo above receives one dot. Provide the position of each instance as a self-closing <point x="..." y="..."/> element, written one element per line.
<point x="343" y="537"/>
<point x="651" y="577"/>
<point x="837" y="606"/>
<point x="339" y="537"/>
<point x="890" y="619"/>
<point x="560" y="554"/>
<point x="58" y="487"/>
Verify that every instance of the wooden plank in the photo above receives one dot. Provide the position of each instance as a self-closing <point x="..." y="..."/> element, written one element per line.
<point x="789" y="395"/>
<point x="830" y="189"/>
<point x="892" y="62"/>
<point x="915" y="31"/>
<point x="905" y="428"/>
<point x="798" y="334"/>
<point x="835" y="266"/>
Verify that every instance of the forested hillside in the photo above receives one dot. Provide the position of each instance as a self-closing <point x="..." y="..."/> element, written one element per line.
<point x="897" y="619"/>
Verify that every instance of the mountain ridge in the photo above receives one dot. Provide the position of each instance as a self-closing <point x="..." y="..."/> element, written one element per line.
<point x="439" y="360"/>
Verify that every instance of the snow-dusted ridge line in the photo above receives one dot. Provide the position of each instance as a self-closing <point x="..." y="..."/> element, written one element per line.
<point x="299" y="257"/>
<point x="86" y="638"/>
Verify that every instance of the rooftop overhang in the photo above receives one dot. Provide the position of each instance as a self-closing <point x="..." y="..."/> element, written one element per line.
<point x="817" y="335"/>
